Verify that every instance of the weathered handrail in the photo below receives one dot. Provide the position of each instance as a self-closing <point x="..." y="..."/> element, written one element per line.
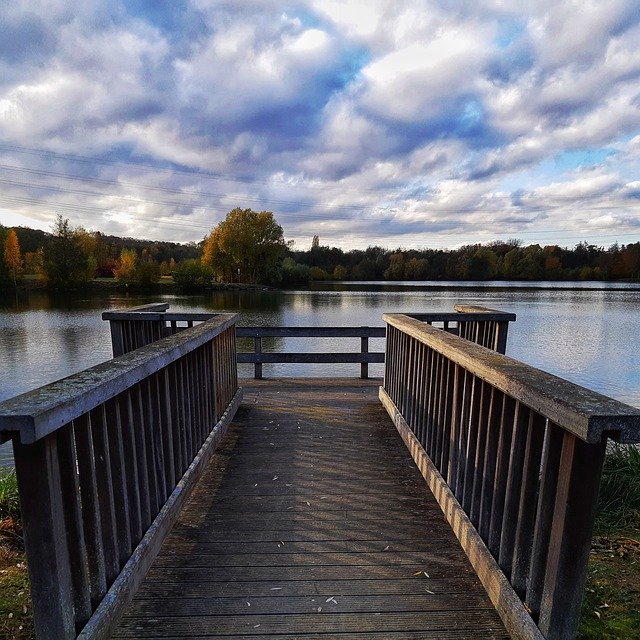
<point x="104" y="459"/>
<point x="133" y="328"/>
<point x="258" y="357"/>
<point x="514" y="456"/>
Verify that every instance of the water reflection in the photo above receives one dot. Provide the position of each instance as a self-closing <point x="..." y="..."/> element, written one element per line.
<point x="588" y="336"/>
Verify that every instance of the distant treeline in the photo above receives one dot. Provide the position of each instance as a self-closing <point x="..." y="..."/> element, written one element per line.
<point x="497" y="260"/>
<point x="72" y="257"/>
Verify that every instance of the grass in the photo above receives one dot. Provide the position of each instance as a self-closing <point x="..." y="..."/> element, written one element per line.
<point x="15" y="603"/>
<point x="611" y="605"/>
<point x="9" y="502"/>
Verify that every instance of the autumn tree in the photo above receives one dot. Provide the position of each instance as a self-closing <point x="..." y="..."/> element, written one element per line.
<point x="125" y="269"/>
<point x="247" y="246"/>
<point x="67" y="261"/>
<point x="12" y="256"/>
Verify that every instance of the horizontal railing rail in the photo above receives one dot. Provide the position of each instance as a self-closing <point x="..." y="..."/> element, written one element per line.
<point x="131" y="329"/>
<point x="513" y="455"/>
<point x="258" y="357"/>
<point x="105" y="458"/>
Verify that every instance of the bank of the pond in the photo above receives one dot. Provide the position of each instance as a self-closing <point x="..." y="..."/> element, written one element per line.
<point x="15" y="605"/>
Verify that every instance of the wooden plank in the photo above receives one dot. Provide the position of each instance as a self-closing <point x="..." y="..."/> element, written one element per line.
<point x="355" y="523"/>
<point x="294" y="605"/>
<point x="310" y="332"/>
<point x="477" y="622"/>
<point x="310" y="357"/>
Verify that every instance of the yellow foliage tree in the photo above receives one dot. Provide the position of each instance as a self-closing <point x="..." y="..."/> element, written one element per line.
<point x="125" y="269"/>
<point x="12" y="256"/>
<point x="247" y="246"/>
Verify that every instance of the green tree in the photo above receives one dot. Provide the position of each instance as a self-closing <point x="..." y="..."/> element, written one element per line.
<point x="247" y="246"/>
<point x="192" y="275"/>
<point x="12" y="256"/>
<point x="66" y="259"/>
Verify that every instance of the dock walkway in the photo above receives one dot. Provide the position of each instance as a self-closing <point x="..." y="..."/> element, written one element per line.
<point x="311" y="520"/>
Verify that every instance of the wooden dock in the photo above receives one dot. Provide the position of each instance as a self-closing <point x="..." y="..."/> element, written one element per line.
<point x="311" y="519"/>
<point x="454" y="500"/>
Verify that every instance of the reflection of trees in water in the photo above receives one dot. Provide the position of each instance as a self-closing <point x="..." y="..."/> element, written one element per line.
<point x="13" y="346"/>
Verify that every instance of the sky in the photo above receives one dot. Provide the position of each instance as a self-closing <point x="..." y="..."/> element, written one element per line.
<point x="366" y="122"/>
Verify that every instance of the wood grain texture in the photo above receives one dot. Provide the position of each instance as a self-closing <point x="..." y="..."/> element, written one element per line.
<point x="590" y="416"/>
<point x="311" y="519"/>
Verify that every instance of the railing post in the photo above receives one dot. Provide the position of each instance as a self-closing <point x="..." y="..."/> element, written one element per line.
<point x="117" y="345"/>
<point x="570" y="539"/>
<point x="43" y="521"/>
<point x="257" y="368"/>
<point x="364" y="366"/>
<point x="502" y="329"/>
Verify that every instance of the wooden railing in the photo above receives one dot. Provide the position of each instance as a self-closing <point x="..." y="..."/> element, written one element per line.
<point x="258" y="357"/>
<point x="105" y="458"/>
<point x="514" y="456"/>
<point x="133" y="328"/>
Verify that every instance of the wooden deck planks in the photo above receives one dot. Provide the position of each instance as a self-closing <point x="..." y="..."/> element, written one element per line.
<point x="311" y="520"/>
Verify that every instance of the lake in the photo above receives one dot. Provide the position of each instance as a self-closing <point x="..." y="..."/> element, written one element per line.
<point x="586" y="332"/>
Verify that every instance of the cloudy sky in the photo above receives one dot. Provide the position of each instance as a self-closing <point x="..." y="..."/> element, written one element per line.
<point x="416" y="123"/>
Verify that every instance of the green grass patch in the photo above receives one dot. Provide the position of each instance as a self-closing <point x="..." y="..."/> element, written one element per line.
<point x="611" y="605"/>
<point x="9" y="501"/>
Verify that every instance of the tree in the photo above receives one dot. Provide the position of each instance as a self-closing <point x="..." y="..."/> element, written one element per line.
<point x="66" y="260"/>
<point x="315" y="243"/>
<point x="192" y="275"/>
<point x="246" y="246"/>
<point x="12" y="256"/>
<point x="125" y="269"/>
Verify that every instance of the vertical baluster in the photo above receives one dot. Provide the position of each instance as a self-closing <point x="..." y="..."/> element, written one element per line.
<point x="490" y="462"/>
<point x="442" y="412"/>
<point x="159" y="434"/>
<point x="200" y="398"/>
<point x="389" y="356"/>
<point x="467" y="458"/>
<point x="435" y="406"/>
<point x="167" y="415"/>
<point x="552" y="451"/>
<point x="513" y="488"/>
<point x="463" y="439"/>
<point x="119" y="481"/>
<point x="412" y="382"/>
<point x="478" y="467"/>
<point x="459" y="431"/>
<point x="527" y="503"/>
<point x="70" y="492"/>
<point x="139" y="432"/>
<point x="38" y="472"/>
<point x="422" y="392"/>
<point x="91" y="519"/>
<point x="104" y="484"/>
<point x="507" y="421"/>
<point x="447" y="421"/>
<point x="451" y="461"/>
<point x="151" y="428"/>
<point x="129" y="445"/>
<point x="426" y="416"/>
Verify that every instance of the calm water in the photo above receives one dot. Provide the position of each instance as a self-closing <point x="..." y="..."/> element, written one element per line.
<point x="587" y="334"/>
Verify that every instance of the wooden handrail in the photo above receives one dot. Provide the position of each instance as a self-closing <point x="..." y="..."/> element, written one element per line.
<point x="131" y="329"/>
<point x="513" y="455"/>
<point x="104" y="459"/>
